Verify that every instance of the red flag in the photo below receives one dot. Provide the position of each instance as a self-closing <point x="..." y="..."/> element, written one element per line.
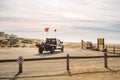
<point x="46" y="29"/>
<point x="55" y="30"/>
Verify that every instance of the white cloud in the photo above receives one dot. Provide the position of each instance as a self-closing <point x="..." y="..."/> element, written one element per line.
<point x="31" y="15"/>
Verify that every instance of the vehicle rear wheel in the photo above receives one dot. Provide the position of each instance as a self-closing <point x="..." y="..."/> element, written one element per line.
<point x="41" y="49"/>
<point x="52" y="50"/>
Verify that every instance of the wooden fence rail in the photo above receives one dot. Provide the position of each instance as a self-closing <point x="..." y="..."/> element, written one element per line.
<point x="67" y="60"/>
<point x="113" y="48"/>
<point x="57" y="58"/>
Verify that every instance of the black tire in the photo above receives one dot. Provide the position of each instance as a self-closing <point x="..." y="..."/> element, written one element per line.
<point x="52" y="50"/>
<point x="62" y="49"/>
<point x="41" y="52"/>
<point x="41" y="49"/>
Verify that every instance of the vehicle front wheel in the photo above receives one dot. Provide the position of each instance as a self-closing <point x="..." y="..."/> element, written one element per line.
<point x="52" y="50"/>
<point x="62" y="49"/>
<point x="40" y="51"/>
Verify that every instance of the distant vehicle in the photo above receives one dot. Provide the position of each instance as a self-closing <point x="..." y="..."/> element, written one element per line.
<point x="89" y="45"/>
<point x="51" y="44"/>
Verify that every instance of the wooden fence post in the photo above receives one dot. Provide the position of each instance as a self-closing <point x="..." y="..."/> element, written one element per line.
<point x="105" y="60"/>
<point x="113" y="49"/>
<point x="20" y="68"/>
<point x="20" y="61"/>
<point x="67" y="65"/>
<point x="103" y="43"/>
<point x="98" y="43"/>
<point x="82" y="44"/>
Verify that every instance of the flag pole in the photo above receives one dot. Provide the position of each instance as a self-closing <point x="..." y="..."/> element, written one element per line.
<point x="46" y="34"/>
<point x="55" y="30"/>
<point x="56" y="34"/>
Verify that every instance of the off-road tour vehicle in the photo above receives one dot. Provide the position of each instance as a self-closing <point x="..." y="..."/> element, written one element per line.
<point x="51" y="44"/>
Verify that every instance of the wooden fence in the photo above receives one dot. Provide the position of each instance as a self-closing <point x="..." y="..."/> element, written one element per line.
<point x="113" y="49"/>
<point x="67" y="59"/>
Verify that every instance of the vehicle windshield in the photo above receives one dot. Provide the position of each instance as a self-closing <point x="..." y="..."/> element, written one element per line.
<point x="51" y="41"/>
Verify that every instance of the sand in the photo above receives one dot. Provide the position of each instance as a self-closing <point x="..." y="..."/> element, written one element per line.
<point x="81" y="69"/>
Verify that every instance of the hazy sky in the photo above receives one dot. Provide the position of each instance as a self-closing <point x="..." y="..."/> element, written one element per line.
<point x="74" y="19"/>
